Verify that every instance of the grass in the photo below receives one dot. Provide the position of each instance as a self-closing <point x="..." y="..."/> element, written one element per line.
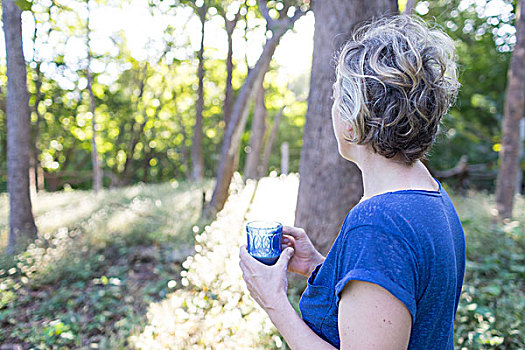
<point x="99" y="261"/>
<point x="111" y="272"/>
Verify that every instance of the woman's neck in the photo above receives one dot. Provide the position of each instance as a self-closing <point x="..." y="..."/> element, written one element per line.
<point x="381" y="175"/>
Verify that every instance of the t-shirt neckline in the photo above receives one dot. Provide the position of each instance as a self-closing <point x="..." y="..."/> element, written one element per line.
<point x="436" y="193"/>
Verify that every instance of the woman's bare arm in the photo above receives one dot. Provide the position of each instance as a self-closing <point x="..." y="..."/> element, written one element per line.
<point x="294" y="330"/>
<point x="372" y="318"/>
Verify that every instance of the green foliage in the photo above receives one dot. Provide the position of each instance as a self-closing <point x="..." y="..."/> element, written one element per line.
<point x="145" y="109"/>
<point x="483" y="44"/>
<point x="490" y="314"/>
<point x="24" y="5"/>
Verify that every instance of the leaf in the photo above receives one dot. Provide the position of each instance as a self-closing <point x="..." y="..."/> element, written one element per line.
<point x="492" y="289"/>
<point x="517" y="268"/>
<point x="24" y="5"/>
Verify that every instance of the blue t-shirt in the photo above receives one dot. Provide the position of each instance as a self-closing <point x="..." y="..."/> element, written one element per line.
<point x="409" y="242"/>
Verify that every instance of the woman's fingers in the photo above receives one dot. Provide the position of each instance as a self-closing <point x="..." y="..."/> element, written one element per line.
<point x="295" y="232"/>
<point x="243" y="267"/>
<point x="288" y="241"/>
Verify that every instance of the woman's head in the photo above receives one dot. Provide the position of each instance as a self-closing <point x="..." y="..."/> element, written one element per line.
<point x="396" y="78"/>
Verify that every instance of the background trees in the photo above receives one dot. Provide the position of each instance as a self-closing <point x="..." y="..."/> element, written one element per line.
<point x="508" y="175"/>
<point x="145" y="123"/>
<point x="483" y="35"/>
<point x="283" y="19"/>
<point x="95" y="158"/>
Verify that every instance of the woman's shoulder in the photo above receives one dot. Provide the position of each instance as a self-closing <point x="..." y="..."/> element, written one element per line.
<point x="373" y="211"/>
<point x="395" y="204"/>
<point x="397" y="214"/>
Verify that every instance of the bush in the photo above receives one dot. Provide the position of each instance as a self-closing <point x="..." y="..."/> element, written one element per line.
<point x="492" y="302"/>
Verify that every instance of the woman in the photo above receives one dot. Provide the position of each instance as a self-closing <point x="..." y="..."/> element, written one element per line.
<point x="393" y="277"/>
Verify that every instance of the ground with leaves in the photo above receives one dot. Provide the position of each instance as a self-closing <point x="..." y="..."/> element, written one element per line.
<point x="100" y="261"/>
<point x="135" y="268"/>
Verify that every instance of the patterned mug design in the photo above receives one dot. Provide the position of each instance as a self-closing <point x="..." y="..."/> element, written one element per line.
<point x="264" y="240"/>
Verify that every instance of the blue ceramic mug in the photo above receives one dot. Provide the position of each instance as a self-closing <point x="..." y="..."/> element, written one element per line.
<point x="264" y="240"/>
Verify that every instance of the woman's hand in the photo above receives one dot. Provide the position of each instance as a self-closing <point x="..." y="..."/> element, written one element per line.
<point x="267" y="284"/>
<point x="306" y="257"/>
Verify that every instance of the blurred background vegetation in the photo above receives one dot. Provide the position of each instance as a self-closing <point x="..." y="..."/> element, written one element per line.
<point x="144" y="94"/>
<point x="156" y="85"/>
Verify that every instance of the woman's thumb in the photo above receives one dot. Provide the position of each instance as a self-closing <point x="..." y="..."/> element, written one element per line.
<point x="285" y="257"/>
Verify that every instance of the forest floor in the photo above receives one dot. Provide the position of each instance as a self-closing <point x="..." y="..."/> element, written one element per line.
<point x="135" y="268"/>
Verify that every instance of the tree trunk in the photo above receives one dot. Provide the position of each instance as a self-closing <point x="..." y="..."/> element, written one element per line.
<point x="197" y="157"/>
<point x="232" y="136"/>
<point x="263" y="169"/>
<point x="285" y="158"/>
<point x="136" y="130"/>
<point x="409" y="8"/>
<point x="145" y="163"/>
<point x="36" y="168"/>
<point x="256" y="140"/>
<point x="184" y="156"/>
<point x="95" y="159"/>
<point x="148" y="155"/>
<point x="519" y="183"/>
<point x="21" y="222"/>
<point x="513" y="112"/>
<point x="228" y="95"/>
<point x="329" y="185"/>
<point x="36" y="171"/>
<point x="184" y="150"/>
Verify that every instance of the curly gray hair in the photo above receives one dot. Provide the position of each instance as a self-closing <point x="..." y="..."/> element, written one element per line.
<point x="396" y="78"/>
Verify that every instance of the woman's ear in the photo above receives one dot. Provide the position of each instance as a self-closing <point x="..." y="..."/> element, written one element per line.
<point x="348" y="132"/>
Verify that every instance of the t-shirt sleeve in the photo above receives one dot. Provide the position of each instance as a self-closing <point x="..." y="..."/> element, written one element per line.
<point x="371" y="254"/>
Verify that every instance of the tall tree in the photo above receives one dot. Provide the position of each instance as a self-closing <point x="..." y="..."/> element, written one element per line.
<point x="21" y="222"/>
<point x="230" y="25"/>
<point x="409" y="7"/>
<point x="253" y="158"/>
<point x="137" y="128"/>
<point x="36" y="174"/>
<point x="232" y="137"/>
<point x="513" y="112"/>
<point x="197" y="157"/>
<point x="263" y="169"/>
<point x="95" y="158"/>
<point x="329" y="185"/>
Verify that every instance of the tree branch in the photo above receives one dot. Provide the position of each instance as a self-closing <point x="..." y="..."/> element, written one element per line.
<point x="263" y="7"/>
<point x="460" y="169"/>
